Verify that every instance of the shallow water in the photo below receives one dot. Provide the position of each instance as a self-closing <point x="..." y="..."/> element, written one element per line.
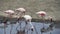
<point x="38" y="27"/>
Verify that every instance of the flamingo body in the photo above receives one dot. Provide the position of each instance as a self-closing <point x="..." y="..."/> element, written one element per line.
<point x="9" y="12"/>
<point x="41" y="13"/>
<point x="21" y="9"/>
<point x="27" y="17"/>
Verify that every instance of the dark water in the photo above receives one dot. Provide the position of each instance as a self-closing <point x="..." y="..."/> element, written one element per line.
<point x="38" y="27"/>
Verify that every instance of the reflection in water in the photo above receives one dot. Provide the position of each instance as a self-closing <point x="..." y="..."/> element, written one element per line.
<point x="38" y="27"/>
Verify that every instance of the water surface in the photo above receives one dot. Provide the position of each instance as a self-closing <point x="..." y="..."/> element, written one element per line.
<point x="38" y="27"/>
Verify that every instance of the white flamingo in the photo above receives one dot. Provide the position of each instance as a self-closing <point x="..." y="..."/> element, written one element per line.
<point x="28" y="22"/>
<point x="20" y="12"/>
<point x="10" y="13"/>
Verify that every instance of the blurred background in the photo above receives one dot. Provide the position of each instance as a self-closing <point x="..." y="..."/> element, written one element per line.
<point x="52" y="7"/>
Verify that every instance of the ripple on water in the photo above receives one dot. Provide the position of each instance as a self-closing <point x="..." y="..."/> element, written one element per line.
<point x="38" y="27"/>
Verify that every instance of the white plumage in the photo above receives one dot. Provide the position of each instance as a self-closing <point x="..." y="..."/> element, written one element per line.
<point x="9" y="12"/>
<point x="41" y="13"/>
<point x="21" y="9"/>
<point x="27" y="17"/>
<point x="29" y="25"/>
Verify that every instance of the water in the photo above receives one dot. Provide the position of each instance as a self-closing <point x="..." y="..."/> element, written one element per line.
<point x="38" y="27"/>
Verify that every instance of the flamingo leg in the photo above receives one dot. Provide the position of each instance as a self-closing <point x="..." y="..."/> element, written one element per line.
<point x="20" y="25"/>
<point x="4" y="29"/>
<point x="35" y="30"/>
<point x="43" y="20"/>
<point x="27" y="31"/>
<point x="11" y="28"/>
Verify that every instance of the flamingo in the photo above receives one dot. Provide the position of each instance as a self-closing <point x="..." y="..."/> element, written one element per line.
<point x="51" y="20"/>
<point x="42" y="14"/>
<point x="20" y="12"/>
<point x="9" y="13"/>
<point x="28" y="22"/>
<point x="51" y="25"/>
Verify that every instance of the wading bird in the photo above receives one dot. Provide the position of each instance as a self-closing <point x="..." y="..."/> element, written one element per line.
<point x="20" y="12"/>
<point x="50" y="28"/>
<point x="52" y="23"/>
<point x="28" y="23"/>
<point x="42" y="14"/>
<point x="10" y="13"/>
